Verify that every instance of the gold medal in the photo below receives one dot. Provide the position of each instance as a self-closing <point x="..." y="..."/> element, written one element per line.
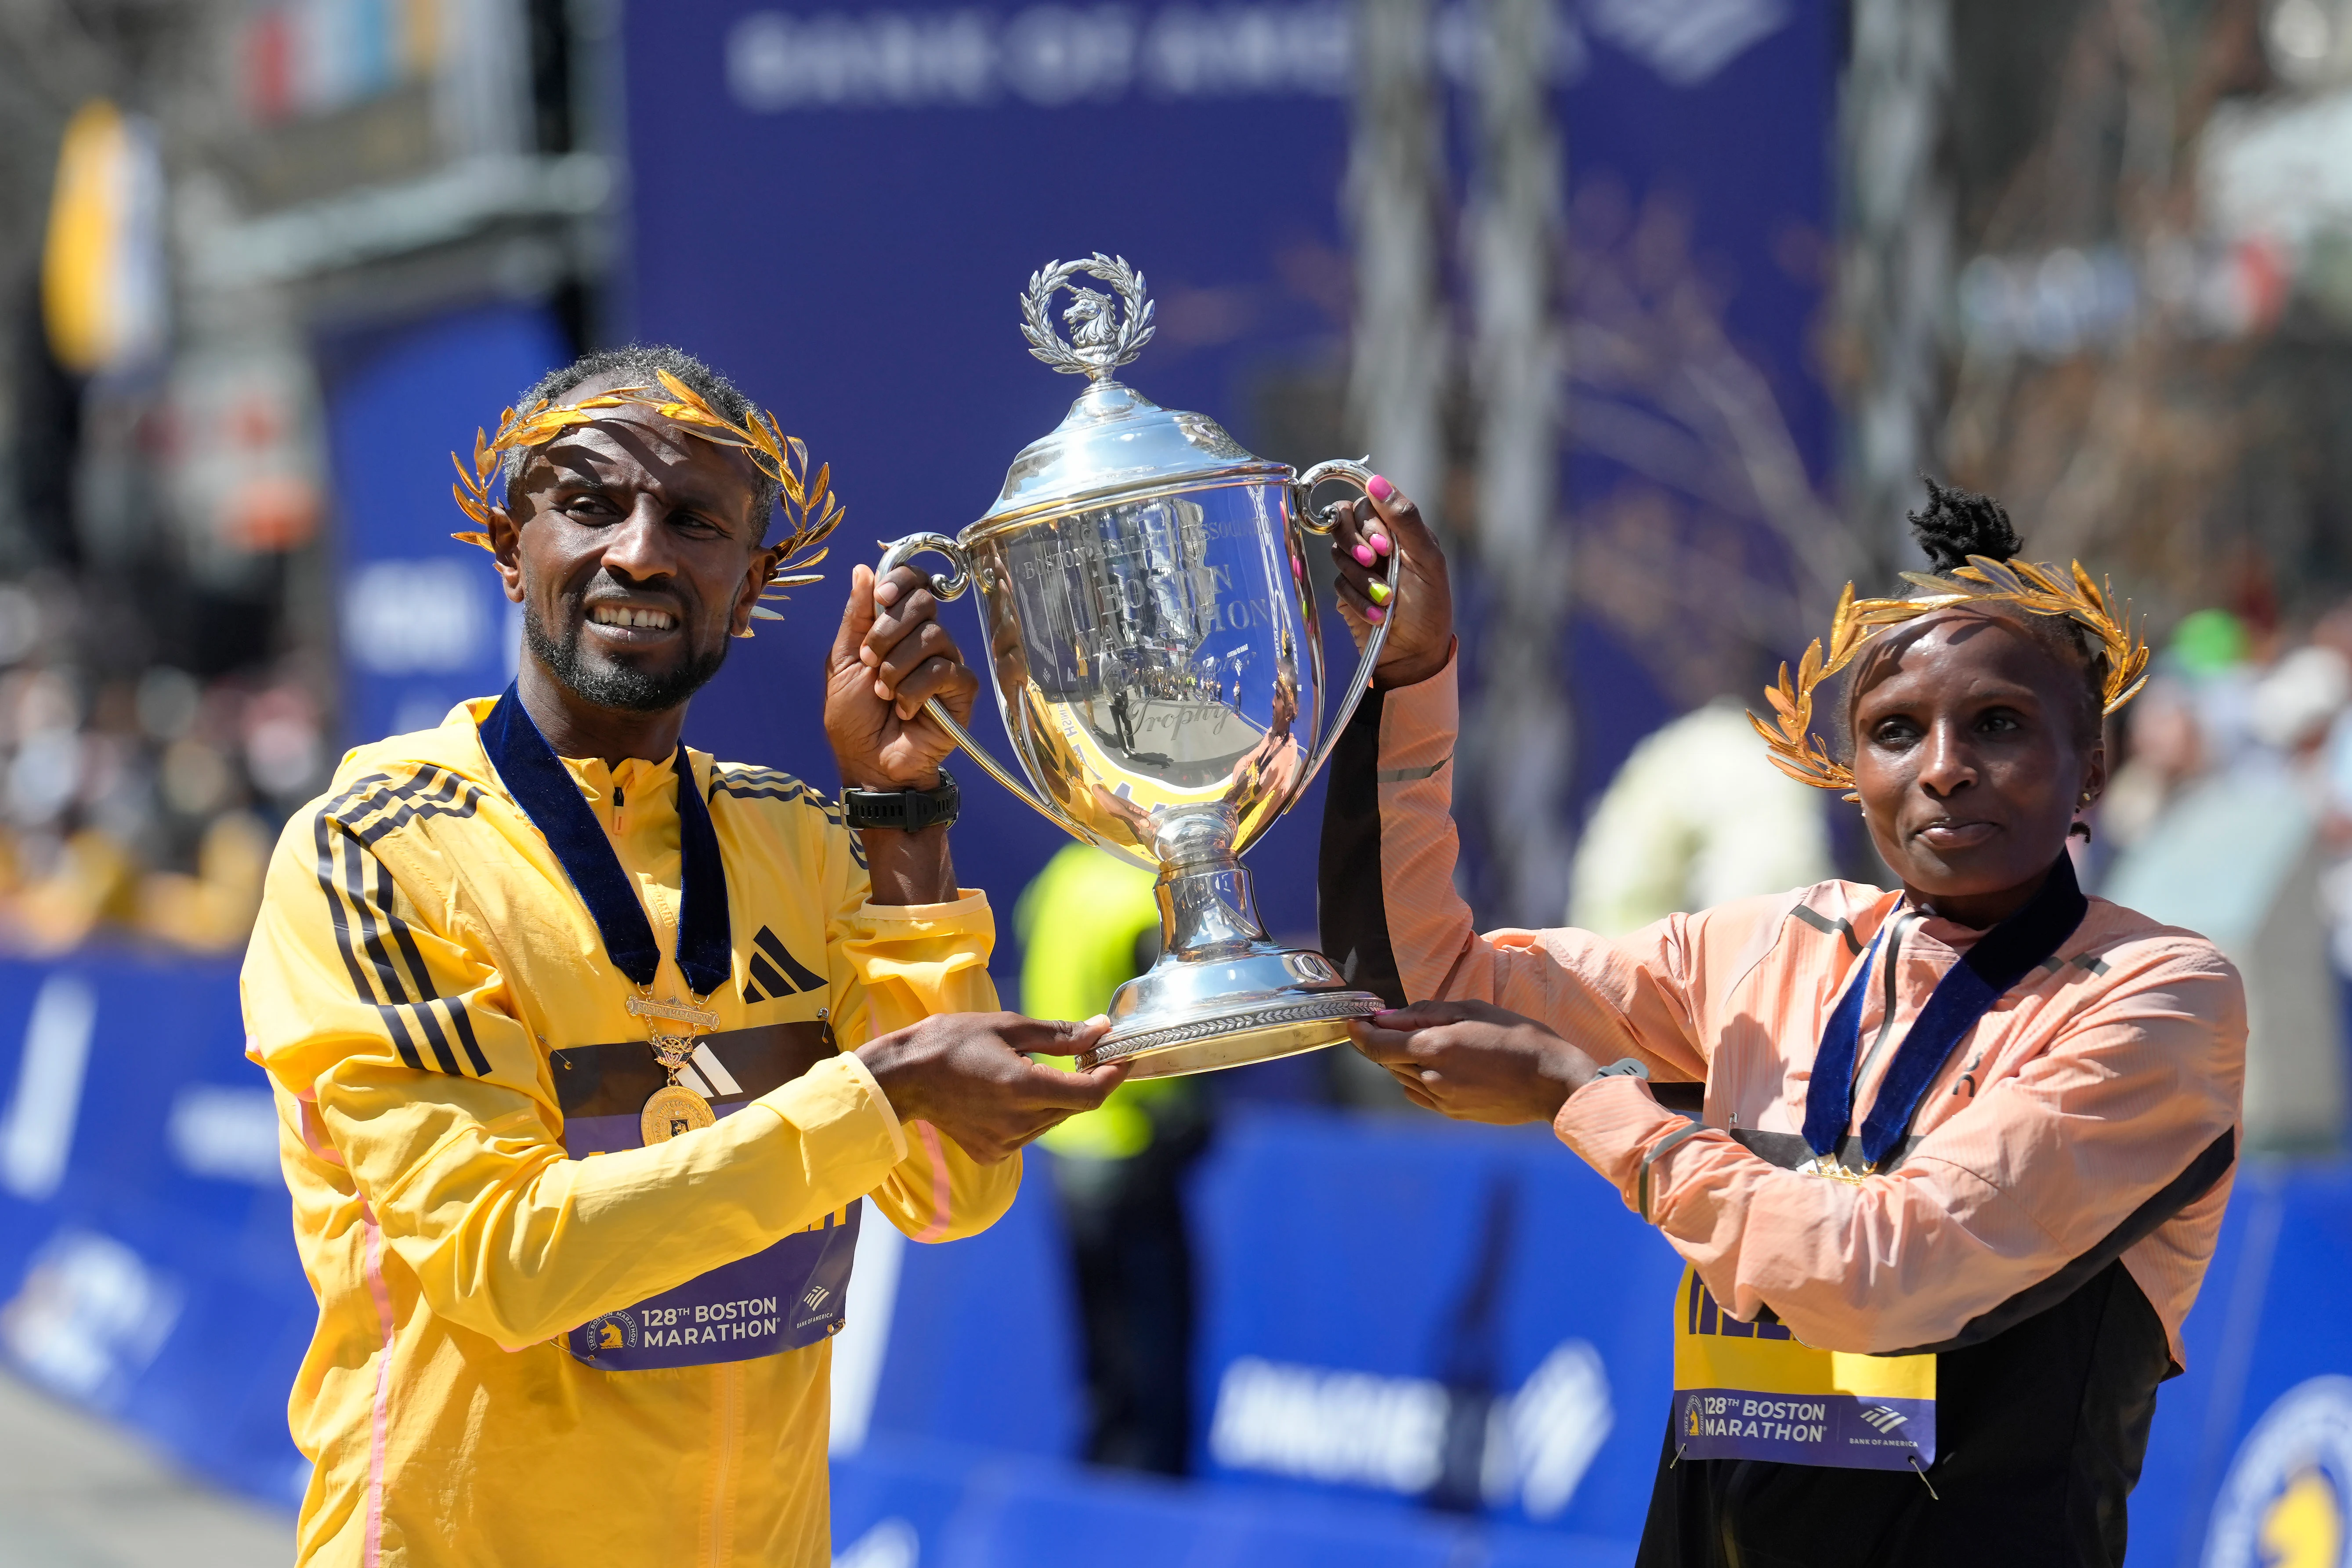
<point x="673" y="1109"/>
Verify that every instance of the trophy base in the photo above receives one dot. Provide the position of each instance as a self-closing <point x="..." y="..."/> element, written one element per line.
<point x="1199" y="1012"/>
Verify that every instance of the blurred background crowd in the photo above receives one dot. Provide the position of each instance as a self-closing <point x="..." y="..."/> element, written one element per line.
<point x="1660" y="307"/>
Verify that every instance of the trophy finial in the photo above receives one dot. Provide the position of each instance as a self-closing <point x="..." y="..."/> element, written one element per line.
<point x="1102" y="338"/>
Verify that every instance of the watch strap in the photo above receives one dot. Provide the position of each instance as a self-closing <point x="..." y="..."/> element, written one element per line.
<point x="903" y="810"/>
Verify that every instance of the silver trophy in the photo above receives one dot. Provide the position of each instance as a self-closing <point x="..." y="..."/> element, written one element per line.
<point x="1150" y="622"/>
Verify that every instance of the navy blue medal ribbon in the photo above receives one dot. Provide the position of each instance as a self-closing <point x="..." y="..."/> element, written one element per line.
<point x="2001" y="958"/>
<point x="545" y="791"/>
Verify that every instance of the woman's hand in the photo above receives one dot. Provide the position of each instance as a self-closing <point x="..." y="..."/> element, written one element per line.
<point x="1368" y="533"/>
<point x="1475" y="1062"/>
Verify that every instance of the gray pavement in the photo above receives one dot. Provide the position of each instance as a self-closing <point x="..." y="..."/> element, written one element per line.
<point x="78" y="1493"/>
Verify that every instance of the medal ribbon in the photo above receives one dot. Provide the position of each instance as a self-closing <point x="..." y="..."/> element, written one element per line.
<point x="2001" y="958"/>
<point x="547" y="794"/>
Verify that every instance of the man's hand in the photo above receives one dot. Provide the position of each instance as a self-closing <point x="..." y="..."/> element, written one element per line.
<point x="1475" y="1062"/>
<point x="965" y="1074"/>
<point x="890" y="656"/>
<point x="1370" y="530"/>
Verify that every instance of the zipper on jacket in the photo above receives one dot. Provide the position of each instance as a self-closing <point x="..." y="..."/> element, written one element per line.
<point x="722" y="1462"/>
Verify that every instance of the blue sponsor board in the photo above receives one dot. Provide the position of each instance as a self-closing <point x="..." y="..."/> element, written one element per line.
<point x="1418" y="1340"/>
<point x="1397" y="1308"/>
<point x="148" y="1269"/>
<point x="424" y="622"/>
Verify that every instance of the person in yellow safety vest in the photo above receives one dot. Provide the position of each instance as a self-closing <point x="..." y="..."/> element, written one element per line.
<point x="1088" y="922"/>
<point x="585" y="1045"/>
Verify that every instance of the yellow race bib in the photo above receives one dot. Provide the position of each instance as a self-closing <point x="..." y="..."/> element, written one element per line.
<point x="1751" y="1391"/>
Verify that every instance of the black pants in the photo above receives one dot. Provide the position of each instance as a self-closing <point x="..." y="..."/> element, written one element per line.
<point x="2039" y="1432"/>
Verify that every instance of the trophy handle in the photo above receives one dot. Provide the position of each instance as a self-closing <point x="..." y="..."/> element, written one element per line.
<point x="1350" y="471"/>
<point x="1322" y="522"/>
<point x="946" y="588"/>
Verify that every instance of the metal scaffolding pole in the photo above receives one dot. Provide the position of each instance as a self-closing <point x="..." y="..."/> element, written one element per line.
<point x="1518" y="738"/>
<point x="1894" y="272"/>
<point x="1397" y="380"/>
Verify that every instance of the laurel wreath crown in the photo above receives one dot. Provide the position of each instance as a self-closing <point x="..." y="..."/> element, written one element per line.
<point x="2040" y="590"/>
<point x="810" y="507"/>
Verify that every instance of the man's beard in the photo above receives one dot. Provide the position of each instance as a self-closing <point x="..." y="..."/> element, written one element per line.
<point x="610" y="683"/>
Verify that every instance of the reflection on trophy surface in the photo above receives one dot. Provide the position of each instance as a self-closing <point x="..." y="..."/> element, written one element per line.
<point x="1151" y="626"/>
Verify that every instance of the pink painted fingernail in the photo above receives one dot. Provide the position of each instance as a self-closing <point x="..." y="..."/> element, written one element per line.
<point x="1364" y="556"/>
<point x="1380" y="489"/>
<point x="1376" y="615"/>
<point x="1381" y="542"/>
<point x="1298" y="569"/>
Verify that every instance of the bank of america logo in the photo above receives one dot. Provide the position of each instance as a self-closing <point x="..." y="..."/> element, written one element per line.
<point x="1885" y="1418"/>
<point x="815" y="1295"/>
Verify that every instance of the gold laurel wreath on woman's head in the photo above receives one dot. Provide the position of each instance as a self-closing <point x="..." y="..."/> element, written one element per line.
<point x="2040" y="590"/>
<point x="810" y="507"/>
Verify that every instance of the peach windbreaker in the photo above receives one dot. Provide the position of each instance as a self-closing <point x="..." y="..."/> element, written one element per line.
<point x="419" y="957"/>
<point x="2087" y="1090"/>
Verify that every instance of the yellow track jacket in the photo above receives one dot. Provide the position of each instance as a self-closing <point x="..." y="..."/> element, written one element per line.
<point x="422" y="974"/>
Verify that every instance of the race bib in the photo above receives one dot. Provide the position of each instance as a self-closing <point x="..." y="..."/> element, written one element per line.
<point x="786" y="1297"/>
<point x="1751" y="1391"/>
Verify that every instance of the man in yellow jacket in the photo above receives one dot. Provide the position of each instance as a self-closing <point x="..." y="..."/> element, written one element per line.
<point x="585" y="1045"/>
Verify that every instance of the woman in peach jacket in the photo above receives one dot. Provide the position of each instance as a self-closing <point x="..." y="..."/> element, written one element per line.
<point x="1975" y="1119"/>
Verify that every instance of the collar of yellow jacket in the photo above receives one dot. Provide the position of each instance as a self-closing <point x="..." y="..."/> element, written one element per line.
<point x="634" y="776"/>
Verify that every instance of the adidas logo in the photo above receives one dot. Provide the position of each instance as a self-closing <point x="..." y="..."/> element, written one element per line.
<point x="1884" y="1418"/>
<point x="774" y="971"/>
<point x="814" y="1296"/>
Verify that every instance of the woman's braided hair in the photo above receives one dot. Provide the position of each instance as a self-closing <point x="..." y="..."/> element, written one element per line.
<point x="1958" y="523"/>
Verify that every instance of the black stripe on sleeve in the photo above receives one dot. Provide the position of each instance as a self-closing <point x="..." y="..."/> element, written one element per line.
<point x="371" y="943"/>
<point x="464" y="1025"/>
<point x="431" y="791"/>
<point x="1352" y="905"/>
<point x="759" y="784"/>
<point x="2193" y="1183"/>
<point x="1828" y="927"/>
<point x="372" y="808"/>
<point x="738" y="783"/>
<point x="421" y="980"/>
<point x="339" y="917"/>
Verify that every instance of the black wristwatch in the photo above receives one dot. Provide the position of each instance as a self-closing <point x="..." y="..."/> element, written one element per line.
<point x="906" y="810"/>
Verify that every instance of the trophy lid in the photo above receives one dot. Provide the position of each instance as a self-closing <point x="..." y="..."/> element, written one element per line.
<point x="1114" y="441"/>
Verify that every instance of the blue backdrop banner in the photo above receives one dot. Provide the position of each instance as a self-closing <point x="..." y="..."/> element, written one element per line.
<point x="1416" y="1338"/>
<point x="839" y="205"/>
<point x="424" y="624"/>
